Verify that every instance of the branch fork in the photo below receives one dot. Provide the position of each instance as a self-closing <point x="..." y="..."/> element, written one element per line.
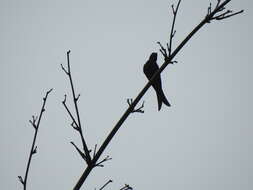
<point x="76" y="123"/>
<point x="99" y="164"/>
<point x="220" y="9"/>
<point x="137" y="110"/>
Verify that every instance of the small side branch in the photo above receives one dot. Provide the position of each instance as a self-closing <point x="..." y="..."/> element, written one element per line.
<point x="173" y="31"/>
<point x="126" y="187"/>
<point x="137" y="110"/>
<point x="79" y="151"/>
<point x="167" y="52"/>
<point x="220" y="12"/>
<point x="95" y="150"/>
<point x="35" y="124"/>
<point x="99" y="164"/>
<point x="109" y="181"/>
<point x="75" y="124"/>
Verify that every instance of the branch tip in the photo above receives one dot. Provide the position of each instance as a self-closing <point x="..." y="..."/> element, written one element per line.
<point x="21" y="179"/>
<point x="99" y="164"/>
<point x="65" y="71"/>
<point x="64" y="100"/>
<point x="109" y="181"/>
<point x="219" y="8"/>
<point x="76" y="99"/>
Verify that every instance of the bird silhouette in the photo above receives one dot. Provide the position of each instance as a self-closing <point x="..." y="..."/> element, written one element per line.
<point x="149" y="69"/>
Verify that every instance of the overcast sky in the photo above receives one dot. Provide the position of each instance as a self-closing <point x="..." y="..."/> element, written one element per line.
<point x="203" y="142"/>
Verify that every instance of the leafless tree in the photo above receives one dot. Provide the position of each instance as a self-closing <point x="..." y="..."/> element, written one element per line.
<point x="93" y="157"/>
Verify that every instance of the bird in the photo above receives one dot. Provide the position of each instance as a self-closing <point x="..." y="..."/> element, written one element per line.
<point x="149" y="69"/>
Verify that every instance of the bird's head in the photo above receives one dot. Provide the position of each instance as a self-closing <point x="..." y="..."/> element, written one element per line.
<point x="153" y="56"/>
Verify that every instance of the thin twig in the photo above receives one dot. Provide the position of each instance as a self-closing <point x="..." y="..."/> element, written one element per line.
<point x="172" y="35"/>
<point x="79" y="151"/>
<point x="136" y="110"/>
<point x="109" y="181"/>
<point x="172" y="31"/>
<point x="219" y="9"/>
<point x="75" y="99"/>
<point x="75" y="126"/>
<point x="34" y="148"/>
<point x="126" y="187"/>
<point x="99" y="164"/>
<point x="227" y="15"/>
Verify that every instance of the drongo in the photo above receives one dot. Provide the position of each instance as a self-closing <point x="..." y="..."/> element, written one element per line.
<point x="149" y="69"/>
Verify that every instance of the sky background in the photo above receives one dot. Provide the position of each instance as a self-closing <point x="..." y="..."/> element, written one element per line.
<point x="203" y="142"/>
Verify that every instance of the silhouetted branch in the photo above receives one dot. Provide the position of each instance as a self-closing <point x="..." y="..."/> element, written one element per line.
<point x="168" y="60"/>
<point x="109" y="181"/>
<point x="172" y="34"/>
<point x="99" y="164"/>
<point x="126" y="187"/>
<point x="76" y="125"/>
<point x="33" y="121"/>
<point x="79" y="151"/>
<point x="223" y="15"/>
<point x="137" y="110"/>
<point x="172" y="31"/>
<point x="34" y="148"/>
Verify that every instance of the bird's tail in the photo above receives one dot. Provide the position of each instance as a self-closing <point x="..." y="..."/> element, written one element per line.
<point x="161" y="98"/>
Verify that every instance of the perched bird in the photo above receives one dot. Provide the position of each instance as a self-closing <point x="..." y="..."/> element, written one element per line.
<point x="149" y="69"/>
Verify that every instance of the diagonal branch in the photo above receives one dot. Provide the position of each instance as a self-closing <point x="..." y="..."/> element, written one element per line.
<point x="223" y="15"/>
<point x="34" y="148"/>
<point x="130" y="109"/>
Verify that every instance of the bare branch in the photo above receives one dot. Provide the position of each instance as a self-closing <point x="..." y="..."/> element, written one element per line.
<point x="126" y="187"/>
<point x="33" y="121"/>
<point x="220" y="8"/>
<point x="137" y="110"/>
<point x="64" y="70"/>
<point x="99" y="164"/>
<point x="227" y="15"/>
<point x="21" y="179"/>
<point x="79" y="151"/>
<point x="34" y="148"/>
<point x="172" y="31"/>
<point x="74" y="123"/>
<point x="218" y="3"/>
<point x="78" y="123"/>
<point x="109" y="181"/>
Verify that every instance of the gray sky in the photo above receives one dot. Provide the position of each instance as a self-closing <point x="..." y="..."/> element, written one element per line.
<point x="202" y="142"/>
